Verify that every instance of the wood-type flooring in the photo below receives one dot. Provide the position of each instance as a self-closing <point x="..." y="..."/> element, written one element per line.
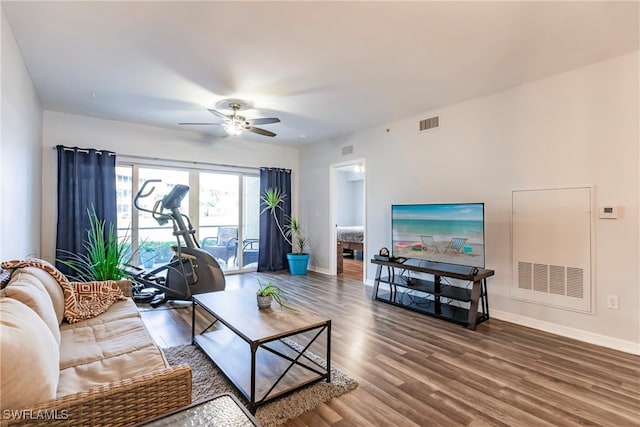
<point x="416" y="370"/>
<point x="351" y="269"/>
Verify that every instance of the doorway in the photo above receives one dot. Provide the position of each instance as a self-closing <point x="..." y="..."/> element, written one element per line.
<point x="348" y="219"/>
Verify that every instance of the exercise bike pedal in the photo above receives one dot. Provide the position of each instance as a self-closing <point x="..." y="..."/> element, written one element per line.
<point x="158" y="300"/>
<point x="142" y="298"/>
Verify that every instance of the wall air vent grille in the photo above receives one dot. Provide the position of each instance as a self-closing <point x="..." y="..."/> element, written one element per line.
<point x="556" y="279"/>
<point x="524" y="275"/>
<point x="575" y="282"/>
<point x="430" y="123"/>
<point x="347" y="150"/>
<point x="540" y="277"/>
<point x="551" y="279"/>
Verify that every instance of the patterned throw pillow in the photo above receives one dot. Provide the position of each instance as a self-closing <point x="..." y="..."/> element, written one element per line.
<point x="82" y="300"/>
<point x="93" y="298"/>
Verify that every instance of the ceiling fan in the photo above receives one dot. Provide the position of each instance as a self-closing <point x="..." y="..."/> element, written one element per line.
<point x="234" y="123"/>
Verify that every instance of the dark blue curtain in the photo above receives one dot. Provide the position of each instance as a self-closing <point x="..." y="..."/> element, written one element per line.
<point x="273" y="248"/>
<point x="86" y="180"/>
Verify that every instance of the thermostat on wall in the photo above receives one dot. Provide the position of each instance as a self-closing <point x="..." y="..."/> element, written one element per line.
<point x="609" y="212"/>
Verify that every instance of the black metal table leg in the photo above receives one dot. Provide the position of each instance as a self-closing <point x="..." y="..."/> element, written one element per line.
<point x="252" y="400"/>
<point x="329" y="352"/>
<point x="193" y="321"/>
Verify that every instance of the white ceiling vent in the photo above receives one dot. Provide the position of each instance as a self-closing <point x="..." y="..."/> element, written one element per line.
<point x="431" y="123"/>
<point x="347" y="150"/>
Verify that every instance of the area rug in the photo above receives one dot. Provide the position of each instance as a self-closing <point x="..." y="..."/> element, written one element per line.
<point x="208" y="381"/>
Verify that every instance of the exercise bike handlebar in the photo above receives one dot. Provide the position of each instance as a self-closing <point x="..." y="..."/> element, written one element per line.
<point x="141" y="194"/>
<point x="156" y="212"/>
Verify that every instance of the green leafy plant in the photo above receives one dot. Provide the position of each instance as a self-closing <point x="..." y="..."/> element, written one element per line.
<point x="273" y="199"/>
<point x="107" y="256"/>
<point x="275" y="292"/>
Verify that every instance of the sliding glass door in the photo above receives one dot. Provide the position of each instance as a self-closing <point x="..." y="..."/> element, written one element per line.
<point x="224" y="211"/>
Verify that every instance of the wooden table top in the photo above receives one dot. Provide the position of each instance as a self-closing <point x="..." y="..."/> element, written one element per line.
<point x="238" y="310"/>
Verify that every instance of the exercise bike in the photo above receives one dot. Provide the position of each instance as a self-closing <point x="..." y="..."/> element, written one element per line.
<point x="191" y="270"/>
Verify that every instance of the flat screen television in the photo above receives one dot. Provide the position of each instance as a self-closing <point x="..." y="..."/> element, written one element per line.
<point x="452" y="233"/>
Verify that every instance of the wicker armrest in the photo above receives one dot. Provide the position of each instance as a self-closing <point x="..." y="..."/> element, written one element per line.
<point x="123" y="403"/>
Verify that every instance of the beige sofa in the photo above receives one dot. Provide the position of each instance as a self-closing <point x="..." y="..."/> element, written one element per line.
<point x="102" y="371"/>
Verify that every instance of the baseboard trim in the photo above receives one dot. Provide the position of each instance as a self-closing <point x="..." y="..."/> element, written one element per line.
<point x="565" y="331"/>
<point x="319" y="270"/>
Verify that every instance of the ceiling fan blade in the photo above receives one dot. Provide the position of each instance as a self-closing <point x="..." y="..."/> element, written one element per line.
<point x="218" y="113"/>
<point x="190" y="124"/>
<point x="264" y="121"/>
<point x="260" y="131"/>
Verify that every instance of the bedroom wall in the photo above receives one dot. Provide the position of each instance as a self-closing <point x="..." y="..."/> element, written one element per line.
<point x="344" y="213"/>
<point x="357" y="188"/>
<point x="349" y="199"/>
<point x="579" y="128"/>
<point x="127" y="139"/>
<point x="20" y="155"/>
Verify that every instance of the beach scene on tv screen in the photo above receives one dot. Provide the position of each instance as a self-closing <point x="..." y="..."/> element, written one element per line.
<point x="451" y="233"/>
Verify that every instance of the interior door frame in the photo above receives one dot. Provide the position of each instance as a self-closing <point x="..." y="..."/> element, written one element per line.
<point x="333" y="238"/>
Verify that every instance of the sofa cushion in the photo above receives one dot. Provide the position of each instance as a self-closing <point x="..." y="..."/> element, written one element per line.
<point x="29" y="358"/>
<point x="30" y="291"/>
<point x="107" y="370"/>
<point x="53" y="288"/>
<point x="122" y="309"/>
<point x="91" y="342"/>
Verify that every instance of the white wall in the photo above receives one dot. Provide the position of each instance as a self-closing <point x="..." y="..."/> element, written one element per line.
<point x="357" y="188"/>
<point x="129" y="139"/>
<point x="574" y="129"/>
<point x="349" y="199"/>
<point x="20" y="158"/>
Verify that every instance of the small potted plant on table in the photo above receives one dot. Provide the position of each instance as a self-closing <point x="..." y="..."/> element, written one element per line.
<point x="269" y="292"/>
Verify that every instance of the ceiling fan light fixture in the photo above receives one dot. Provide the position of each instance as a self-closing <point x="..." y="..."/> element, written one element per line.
<point x="233" y="128"/>
<point x="234" y="124"/>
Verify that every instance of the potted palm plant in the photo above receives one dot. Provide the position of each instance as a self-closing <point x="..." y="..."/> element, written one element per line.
<point x="107" y="255"/>
<point x="267" y="293"/>
<point x="273" y="199"/>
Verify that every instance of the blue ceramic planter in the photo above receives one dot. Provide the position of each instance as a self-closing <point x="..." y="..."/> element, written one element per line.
<point x="298" y="263"/>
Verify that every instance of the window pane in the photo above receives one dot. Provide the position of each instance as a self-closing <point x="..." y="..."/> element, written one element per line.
<point x="155" y="240"/>
<point x="123" y="195"/>
<point x="124" y="205"/>
<point x="250" y="221"/>
<point x="219" y="207"/>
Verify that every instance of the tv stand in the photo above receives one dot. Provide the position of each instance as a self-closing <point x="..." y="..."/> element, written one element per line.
<point x="435" y="297"/>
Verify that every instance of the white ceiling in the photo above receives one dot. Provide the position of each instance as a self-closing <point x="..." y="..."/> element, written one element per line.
<point x="324" y="68"/>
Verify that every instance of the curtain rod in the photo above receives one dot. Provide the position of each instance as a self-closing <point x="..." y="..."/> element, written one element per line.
<point x="159" y="159"/>
<point x="84" y="150"/>
<point x="187" y="162"/>
<point x="267" y="168"/>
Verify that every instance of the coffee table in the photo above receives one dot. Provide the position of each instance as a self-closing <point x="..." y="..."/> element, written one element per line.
<point x="254" y="348"/>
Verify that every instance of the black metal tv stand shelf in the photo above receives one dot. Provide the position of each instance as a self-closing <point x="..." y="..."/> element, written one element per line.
<point x="434" y="297"/>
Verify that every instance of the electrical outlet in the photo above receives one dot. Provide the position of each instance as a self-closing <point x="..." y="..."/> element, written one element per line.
<point x="613" y="302"/>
